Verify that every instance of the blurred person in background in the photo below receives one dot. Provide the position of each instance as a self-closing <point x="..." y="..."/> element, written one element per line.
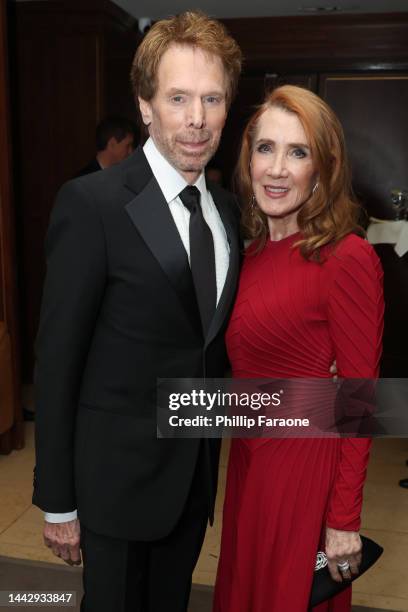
<point x="115" y="141"/>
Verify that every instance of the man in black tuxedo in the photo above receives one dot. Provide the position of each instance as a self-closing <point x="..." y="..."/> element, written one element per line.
<point x="142" y="267"/>
<point x="115" y="141"/>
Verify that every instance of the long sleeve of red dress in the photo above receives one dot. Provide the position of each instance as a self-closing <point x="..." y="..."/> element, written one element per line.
<point x="355" y="316"/>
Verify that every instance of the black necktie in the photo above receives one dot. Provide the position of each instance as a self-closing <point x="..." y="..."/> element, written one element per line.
<point x="202" y="258"/>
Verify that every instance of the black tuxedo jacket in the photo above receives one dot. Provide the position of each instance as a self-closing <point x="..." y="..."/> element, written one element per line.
<point x="119" y="311"/>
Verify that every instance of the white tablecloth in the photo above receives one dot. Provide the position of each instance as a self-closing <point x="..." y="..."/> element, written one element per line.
<point x="389" y="232"/>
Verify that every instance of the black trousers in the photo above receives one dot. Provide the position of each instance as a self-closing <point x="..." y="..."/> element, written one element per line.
<point x="128" y="576"/>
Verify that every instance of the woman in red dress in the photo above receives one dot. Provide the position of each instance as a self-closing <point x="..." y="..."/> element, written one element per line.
<point x="310" y="292"/>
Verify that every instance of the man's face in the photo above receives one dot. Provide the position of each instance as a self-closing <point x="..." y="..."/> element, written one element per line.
<point x="120" y="150"/>
<point x="188" y="111"/>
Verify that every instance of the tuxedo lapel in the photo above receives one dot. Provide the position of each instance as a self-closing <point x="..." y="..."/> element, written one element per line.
<point x="229" y="289"/>
<point x="151" y="216"/>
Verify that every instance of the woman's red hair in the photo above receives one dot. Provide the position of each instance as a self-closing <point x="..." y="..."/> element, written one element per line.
<point x="331" y="211"/>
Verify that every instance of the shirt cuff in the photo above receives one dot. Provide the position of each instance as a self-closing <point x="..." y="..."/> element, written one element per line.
<point x="61" y="517"/>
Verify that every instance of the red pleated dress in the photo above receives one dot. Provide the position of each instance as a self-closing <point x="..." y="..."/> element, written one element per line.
<point x="292" y="318"/>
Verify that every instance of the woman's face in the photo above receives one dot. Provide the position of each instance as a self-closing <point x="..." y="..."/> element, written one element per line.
<point x="282" y="169"/>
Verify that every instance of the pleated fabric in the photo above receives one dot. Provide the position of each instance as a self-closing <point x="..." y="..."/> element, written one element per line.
<point x="292" y="318"/>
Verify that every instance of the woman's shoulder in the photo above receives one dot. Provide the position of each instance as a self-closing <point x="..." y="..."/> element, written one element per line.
<point x="352" y="248"/>
<point x="353" y="260"/>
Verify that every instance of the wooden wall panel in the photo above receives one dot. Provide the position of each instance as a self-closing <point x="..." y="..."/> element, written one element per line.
<point x="2" y="279"/>
<point x="78" y="102"/>
<point x="59" y="107"/>
<point x="11" y="425"/>
<point x="56" y="101"/>
<point x="118" y="56"/>
<point x="65" y="86"/>
<point x="7" y="410"/>
<point x="323" y="43"/>
<point x="373" y="111"/>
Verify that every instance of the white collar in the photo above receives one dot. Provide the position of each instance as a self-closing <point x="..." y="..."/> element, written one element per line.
<point x="170" y="181"/>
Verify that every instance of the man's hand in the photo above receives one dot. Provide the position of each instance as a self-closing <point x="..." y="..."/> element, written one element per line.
<point x="64" y="540"/>
<point x="342" y="547"/>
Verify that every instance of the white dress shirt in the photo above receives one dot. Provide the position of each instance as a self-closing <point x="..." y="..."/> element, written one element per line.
<point x="171" y="184"/>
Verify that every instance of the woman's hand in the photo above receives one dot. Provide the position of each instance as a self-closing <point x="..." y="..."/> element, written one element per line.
<point x="342" y="547"/>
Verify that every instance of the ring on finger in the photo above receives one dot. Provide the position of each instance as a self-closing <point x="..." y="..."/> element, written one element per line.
<point x="344" y="567"/>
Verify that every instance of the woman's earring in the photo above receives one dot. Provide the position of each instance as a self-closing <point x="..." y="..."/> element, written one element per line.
<point x="315" y="187"/>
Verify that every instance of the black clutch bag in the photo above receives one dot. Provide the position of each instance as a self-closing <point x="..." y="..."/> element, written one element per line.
<point x="325" y="587"/>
